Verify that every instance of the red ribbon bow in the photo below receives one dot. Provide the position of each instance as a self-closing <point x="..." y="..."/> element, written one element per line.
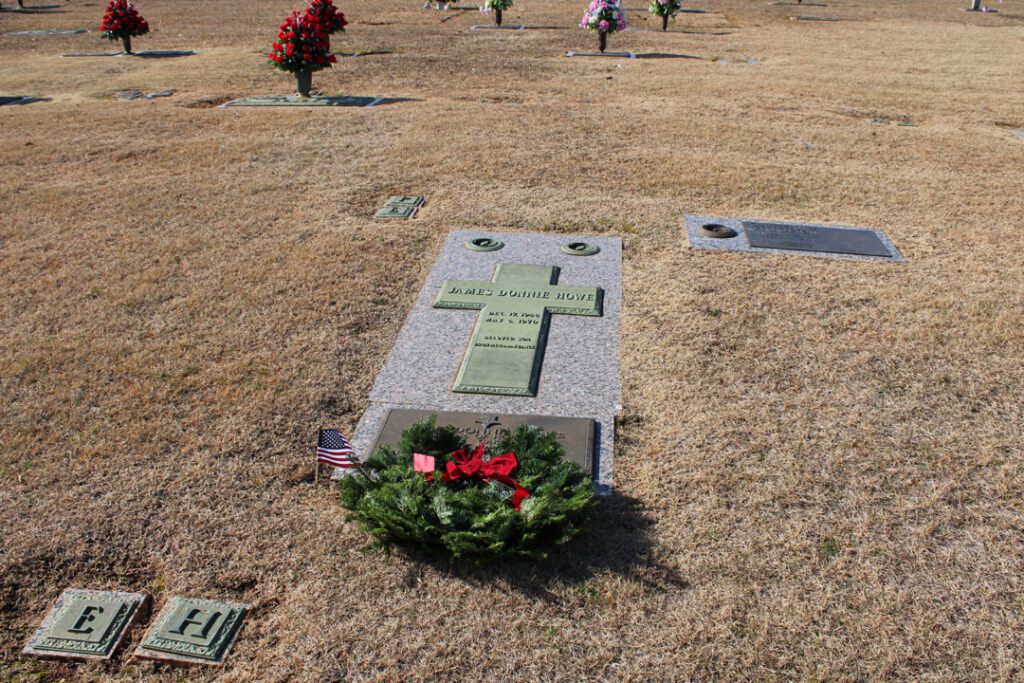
<point x="473" y="465"/>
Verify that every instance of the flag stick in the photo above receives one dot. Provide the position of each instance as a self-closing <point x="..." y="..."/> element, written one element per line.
<point x="316" y="467"/>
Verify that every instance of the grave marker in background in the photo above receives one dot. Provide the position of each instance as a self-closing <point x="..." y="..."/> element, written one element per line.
<point x="714" y="232"/>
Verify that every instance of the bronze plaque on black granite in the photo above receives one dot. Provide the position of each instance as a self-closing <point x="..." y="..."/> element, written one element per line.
<point x="856" y="241"/>
<point x="576" y="434"/>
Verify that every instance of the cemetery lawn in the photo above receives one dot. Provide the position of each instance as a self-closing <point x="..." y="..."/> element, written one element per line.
<point x="818" y="472"/>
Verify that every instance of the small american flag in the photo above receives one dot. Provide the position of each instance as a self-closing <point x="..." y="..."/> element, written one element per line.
<point x="333" y="448"/>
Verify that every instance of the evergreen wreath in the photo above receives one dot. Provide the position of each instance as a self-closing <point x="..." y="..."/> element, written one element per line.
<point x="471" y="509"/>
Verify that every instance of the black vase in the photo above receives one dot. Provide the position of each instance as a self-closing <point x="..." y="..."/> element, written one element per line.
<point x="497" y="17"/>
<point x="127" y="42"/>
<point x="602" y="40"/>
<point x="304" y="81"/>
<point x="664" y="22"/>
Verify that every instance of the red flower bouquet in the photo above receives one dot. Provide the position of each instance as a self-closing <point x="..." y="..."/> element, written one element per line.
<point x="302" y="47"/>
<point x="327" y="15"/>
<point x="122" y="21"/>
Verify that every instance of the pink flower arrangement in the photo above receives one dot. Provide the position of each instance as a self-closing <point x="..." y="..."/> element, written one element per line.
<point x="604" y="16"/>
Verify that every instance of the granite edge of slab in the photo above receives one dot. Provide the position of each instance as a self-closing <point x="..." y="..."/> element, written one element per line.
<point x="740" y="243"/>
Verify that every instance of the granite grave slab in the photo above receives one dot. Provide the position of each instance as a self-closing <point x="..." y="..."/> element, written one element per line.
<point x="193" y="631"/>
<point x="94" y="54"/>
<point x="14" y="99"/>
<point x="576" y="434"/>
<point x="621" y="55"/>
<point x="161" y="54"/>
<point x="578" y="375"/>
<point x="86" y="624"/>
<point x="49" y="32"/>
<point x="714" y="232"/>
<point x="492" y="27"/>
<point x="362" y="53"/>
<point x="297" y="101"/>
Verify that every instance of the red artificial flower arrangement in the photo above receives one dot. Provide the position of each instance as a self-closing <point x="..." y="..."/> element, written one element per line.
<point x="327" y="15"/>
<point x="122" y="21"/>
<point x="302" y="45"/>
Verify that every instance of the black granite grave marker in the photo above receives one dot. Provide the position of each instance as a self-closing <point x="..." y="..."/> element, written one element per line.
<point x="814" y="238"/>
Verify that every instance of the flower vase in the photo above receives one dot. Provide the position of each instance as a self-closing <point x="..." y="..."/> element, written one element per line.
<point x="497" y="17"/>
<point x="602" y="40"/>
<point x="127" y="42"/>
<point x="304" y="81"/>
<point x="664" y="22"/>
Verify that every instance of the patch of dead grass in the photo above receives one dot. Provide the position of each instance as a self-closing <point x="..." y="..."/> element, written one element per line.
<point x="819" y="464"/>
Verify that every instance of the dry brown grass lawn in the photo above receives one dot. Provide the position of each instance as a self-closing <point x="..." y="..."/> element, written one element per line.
<point x="819" y="469"/>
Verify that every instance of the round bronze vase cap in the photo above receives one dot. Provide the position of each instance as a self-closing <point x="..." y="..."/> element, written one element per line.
<point x="484" y="244"/>
<point x="716" y="230"/>
<point x="580" y="248"/>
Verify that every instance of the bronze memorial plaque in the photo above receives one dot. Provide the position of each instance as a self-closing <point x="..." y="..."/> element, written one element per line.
<point x="86" y="624"/>
<point x="506" y="349"/>
<point x="193" y="631"/>
<point x="576" y="434"/>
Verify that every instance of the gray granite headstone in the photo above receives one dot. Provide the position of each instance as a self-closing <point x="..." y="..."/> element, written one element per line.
<point x="86" y="624"/>
<point x="790" y="238"/>
<point x="579" y="375"/>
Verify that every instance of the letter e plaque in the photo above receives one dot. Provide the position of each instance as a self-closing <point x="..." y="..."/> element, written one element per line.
<point x="86" y="624"/>
<point x="192" y="630"/>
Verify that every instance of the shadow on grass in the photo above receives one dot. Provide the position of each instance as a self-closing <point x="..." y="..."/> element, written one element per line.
<point x="618" y="542"/>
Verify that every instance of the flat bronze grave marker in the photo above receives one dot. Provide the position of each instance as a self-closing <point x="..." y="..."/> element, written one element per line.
<point x="576" y="434"/>
<point x="396" y="212"/>
<point x="506" y="349"/>
<point x="814" y="238"/>
<point x="86" y="624"/>
<point x="193" y="631"/>
<point x="404" y="200"/>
